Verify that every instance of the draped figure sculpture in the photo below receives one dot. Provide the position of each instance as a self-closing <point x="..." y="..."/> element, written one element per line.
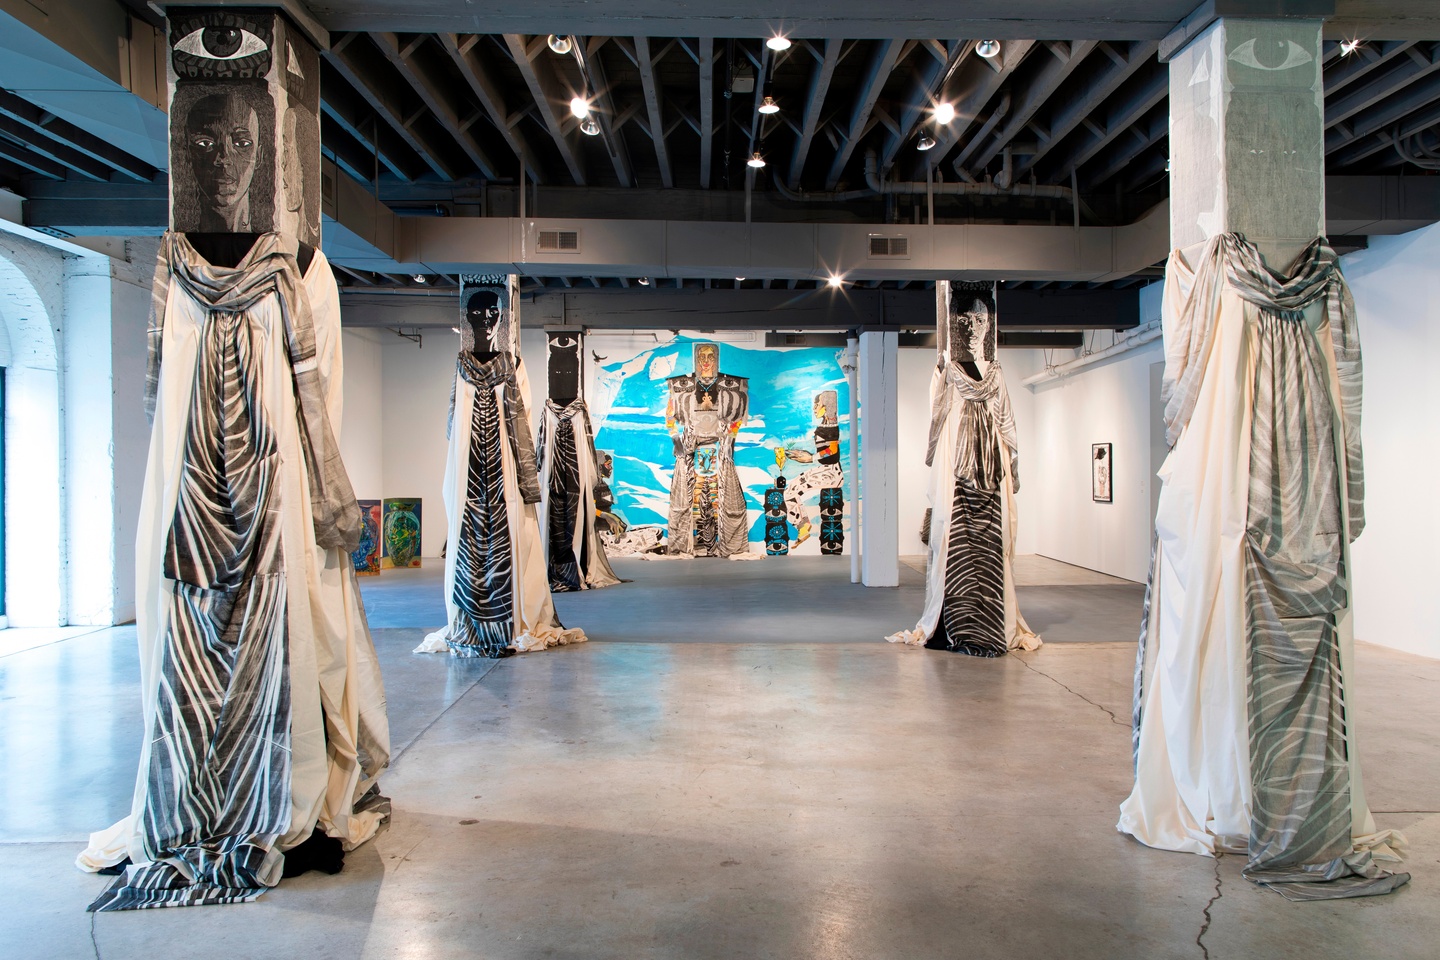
<point x="569" y="476"/>
<point x="970" y="600"/>
<point x="497" y="593"/>
<point x="264" y="709"/>
<point x="705" y="410"/>
<point x="1244" y="713"/>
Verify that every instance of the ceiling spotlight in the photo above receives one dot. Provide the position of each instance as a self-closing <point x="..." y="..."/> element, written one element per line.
<point x="558" y="44"/>
<point x="644" y="281"/>
<point x="944" y="112"/>
<point x="925" y="142"/>
<point x="579" y="108"/>
<point x="1348" y="47"/>
<point x="755" y="160"/>
<point x="589" y="127"/>
<point x="768" y="105"/>
<point x="739" y="279"/>
<point x="778" y="43"/>
<point x="836" y="281"/>
<point x="987" y="48"/>
<point x="420" y="278"/>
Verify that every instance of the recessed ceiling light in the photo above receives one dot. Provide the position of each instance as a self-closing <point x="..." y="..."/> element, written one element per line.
<point x="778" y="43"/>
<point x="739" y="279"/>
<point x="589" y="127"/>
<point x="644" y="281"/>
<point x="987" y="48"/>
<point x="926" y="142"/>
<point x="420" y="278"/>
<point x="1348" y="47"/>
<point x="558" y="44"/>
<point x="579" y="108"/>
<point x="768" y="105"/>
<point x="944" y="112"/>
<point x="755" y="160"/>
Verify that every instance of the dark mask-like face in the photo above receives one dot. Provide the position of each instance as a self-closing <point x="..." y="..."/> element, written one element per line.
<point x="564" y="365"/>
<point x="222" y="135"/>
<point x="482" y="312"/>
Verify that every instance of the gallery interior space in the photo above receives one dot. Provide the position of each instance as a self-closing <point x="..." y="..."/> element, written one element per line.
<point x="649" y="479"/>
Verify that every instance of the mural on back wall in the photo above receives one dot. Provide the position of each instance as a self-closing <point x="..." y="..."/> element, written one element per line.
<point x="785" y="390"/>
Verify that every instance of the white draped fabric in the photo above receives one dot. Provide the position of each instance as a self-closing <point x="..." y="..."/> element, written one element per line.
<point x="338" y="730"/>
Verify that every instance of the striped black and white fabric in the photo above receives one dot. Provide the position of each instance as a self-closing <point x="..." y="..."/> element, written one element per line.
<point x="497" y="593"/>
<point x="236" y="765"/>
<point x="575" y="556"/>
<point x="1298" y="809"/>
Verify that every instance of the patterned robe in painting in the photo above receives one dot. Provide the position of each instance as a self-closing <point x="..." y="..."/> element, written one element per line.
<point x="1244" y="706"/>
<point x="264" y="710"/>
<point x="707" y="504"/>
<point x="568" y="478"/>
<point x="497" y="593"/>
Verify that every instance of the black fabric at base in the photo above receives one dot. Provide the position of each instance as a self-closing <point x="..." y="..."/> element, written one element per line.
<point x="228" y="249"/>
<point x="116" y="870"/>
<point x="319" y="852"/>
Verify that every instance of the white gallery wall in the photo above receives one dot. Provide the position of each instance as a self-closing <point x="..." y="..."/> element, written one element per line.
<point x="1396" y="283"/>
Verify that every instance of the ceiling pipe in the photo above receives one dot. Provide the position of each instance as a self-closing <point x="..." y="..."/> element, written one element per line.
<point x="1140" y="337"/>
<point x="989" y="189"/>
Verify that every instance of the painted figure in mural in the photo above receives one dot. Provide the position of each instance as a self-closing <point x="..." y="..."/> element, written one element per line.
<point x="1244" y="698"/>
<point x="569" y="476"/>
<point x="970" y="604"/>
<point x="497" y="593"/>
<point x="705" y="411"/>
<point x="826" y="471"/>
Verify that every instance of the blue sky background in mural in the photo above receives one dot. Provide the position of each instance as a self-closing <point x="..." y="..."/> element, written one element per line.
<point x="783" y="384"/>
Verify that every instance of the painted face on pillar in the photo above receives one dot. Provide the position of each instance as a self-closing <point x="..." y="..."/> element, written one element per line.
<point x="482" y="311"/>
<point x="223" y="138"/>
<point x="707" y="361"/>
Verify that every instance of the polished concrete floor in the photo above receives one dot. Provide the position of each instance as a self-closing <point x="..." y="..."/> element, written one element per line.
<point x="791" y="789"/>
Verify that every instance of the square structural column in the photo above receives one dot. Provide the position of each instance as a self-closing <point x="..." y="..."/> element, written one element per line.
<point x="1247" y="136"/>
<point x="879" y="507"/>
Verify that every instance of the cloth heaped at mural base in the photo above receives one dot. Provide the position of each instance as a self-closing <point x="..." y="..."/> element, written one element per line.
<point x="628" y="408"/>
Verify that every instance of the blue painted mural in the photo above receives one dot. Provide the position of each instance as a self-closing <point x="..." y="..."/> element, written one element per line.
<point x="629" y="408"/>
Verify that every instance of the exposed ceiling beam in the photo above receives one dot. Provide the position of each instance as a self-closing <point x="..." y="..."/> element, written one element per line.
<point x="1365" y="59"/>
<point x="30" y="160"/>
<point x="877" y="71"/>
<point x="57" y="150"/>
<point x="608" y="116"/>
<point x="924" y="79"/>
<point x="1119" y="117"/>
<point x="1025" y="104"/>
<point x="1418" y="62"/>
<point x="654" y="108"/>
<point x="979" y="79"/>
<point x="385" y="103"/>
<point x="428" y="86"/>
<point x="45" y="122"/>
<point x="1088" y="97"/>
<point x="462" y="51"/>
<point x="815" y="99"/>
<point x="1118" y="156"/>
<point x="545" y="89"/>
<point x="707" y="108"/>
<point x="356" y="117"/>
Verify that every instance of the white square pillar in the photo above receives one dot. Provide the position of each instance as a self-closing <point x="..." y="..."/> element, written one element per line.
<point x="879" y="507"/>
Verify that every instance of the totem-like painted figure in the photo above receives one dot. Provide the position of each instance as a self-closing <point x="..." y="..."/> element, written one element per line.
<point x="569" y="475"/>
<point x="264" y="711"/>
<point x="705" y="411"/>
<point x="497" y="593"/>
<point x="824" y="476"/>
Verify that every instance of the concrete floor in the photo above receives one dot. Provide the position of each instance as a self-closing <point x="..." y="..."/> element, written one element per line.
<point x="832" y="798"/>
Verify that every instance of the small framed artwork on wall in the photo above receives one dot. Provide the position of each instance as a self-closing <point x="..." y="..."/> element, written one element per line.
<point x="1101" y="472"/>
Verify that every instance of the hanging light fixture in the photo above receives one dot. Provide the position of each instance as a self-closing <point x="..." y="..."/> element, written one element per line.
<point x="755" y="160"/>
<point x="589" y="127"/>
<point x="420" y="278"/>
<point x="768" y="106"/>
<point x="778" y="43"/>
<point x="1348" y="47"/>
<point x="579" y="108"/>
<point x="644" y="281"/>
<point x="944" y="112"/>
<point x="558" y="44"/>
<point x="926" y="142"/>
<point x="987" y="48"/>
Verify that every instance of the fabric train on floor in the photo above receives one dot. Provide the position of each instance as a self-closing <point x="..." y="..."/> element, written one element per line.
<point x="1243" y="717"/>
<point x="264" y="708"/>
<point x="497" y="593"/>
<point x="568" y="476"/>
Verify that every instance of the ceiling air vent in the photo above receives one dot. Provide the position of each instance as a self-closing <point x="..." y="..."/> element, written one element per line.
<point x="894" y="248"/>
<point x="559" y="241"/>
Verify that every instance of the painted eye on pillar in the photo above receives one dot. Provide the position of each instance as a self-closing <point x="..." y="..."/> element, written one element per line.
<point x="221" y="43"/>
<point x="1271" y="55"/>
